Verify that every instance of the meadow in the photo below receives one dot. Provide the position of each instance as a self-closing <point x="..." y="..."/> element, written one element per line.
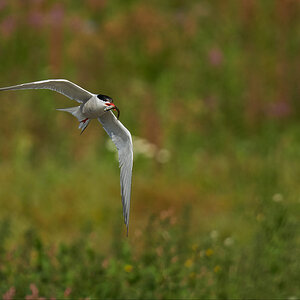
<point x="210" y="93"/>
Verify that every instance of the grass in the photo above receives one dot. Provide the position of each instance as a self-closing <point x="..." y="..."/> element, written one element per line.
<point x="210" y="90"/>
<point x="235" y="237"/>
<point x="168" y="259"/>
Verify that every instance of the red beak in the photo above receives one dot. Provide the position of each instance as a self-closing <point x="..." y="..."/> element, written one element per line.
<point x="114" y="108"/>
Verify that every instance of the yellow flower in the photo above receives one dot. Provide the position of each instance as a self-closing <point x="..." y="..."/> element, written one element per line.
<point x="217" y="269"/>
<point x="188" y="263"/>
<point x="128" y="268"/>
<point x="209" y="252"/>
<point x="194" y="247"/>
<point x="260" y="217"/>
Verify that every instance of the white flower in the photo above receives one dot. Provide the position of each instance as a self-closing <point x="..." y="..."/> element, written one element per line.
<point x="277" y="197"/>
<point x="143" y="147"/>
<point x="214" y="234"/>
<point x="163" y="156"/>
<point x="229" y="241"/>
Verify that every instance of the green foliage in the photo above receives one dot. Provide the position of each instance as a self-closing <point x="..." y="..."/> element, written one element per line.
<point x="171" y="261"/>
<point x="210" y="90"/>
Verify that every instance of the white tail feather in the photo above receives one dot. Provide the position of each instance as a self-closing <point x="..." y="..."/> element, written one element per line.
<point x="76" y="112"/>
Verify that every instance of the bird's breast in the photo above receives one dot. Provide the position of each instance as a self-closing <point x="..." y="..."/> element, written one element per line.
<point x="93" y="108"/>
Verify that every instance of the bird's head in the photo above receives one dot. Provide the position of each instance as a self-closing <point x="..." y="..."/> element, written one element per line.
<point x="108" y="101"/>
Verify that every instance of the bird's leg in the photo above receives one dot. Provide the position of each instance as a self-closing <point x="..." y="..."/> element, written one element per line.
<point x="83" y="121"/>
<point x="84" y="124"/>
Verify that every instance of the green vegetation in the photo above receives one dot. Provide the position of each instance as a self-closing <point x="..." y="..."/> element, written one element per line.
<point x="210" y="90"/>
<point x="164" y="261"/>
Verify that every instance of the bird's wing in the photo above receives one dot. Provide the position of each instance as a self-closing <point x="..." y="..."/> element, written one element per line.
<point x="62" y="86"/>
<point x="122" y="139"/>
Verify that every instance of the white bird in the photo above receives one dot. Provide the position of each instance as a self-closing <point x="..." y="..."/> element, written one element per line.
<point x="95" y="106"/>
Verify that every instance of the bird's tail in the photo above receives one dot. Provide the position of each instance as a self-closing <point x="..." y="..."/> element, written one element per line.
<point x="76" y="112"/>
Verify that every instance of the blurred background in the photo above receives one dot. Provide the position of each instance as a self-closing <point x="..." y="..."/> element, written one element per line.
<point x="210" y="92"/>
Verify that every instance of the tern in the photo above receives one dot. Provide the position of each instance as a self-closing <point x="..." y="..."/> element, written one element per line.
<point x="95" y="106"/>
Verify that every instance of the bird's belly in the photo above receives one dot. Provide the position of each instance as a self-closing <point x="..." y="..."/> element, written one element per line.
<point x="92" y="109"/>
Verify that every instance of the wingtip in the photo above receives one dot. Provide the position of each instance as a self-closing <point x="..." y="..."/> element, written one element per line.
<point x="127" y="231"/>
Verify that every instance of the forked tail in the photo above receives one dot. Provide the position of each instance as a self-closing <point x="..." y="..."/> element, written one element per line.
<point x="75" y="111"/>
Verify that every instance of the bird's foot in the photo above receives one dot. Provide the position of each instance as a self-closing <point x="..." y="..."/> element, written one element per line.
<point x="83" y="124"/>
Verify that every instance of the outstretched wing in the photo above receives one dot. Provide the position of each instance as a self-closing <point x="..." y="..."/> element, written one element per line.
<point x="122" y="139"/>
<point x="62" y="86"/>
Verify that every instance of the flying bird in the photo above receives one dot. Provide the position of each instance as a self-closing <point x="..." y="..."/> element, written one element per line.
<point x="95" y="106"/>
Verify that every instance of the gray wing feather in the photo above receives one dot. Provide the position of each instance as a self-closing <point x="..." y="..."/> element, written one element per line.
<point x="122" y="139"/>
<point x="62" y="86"/>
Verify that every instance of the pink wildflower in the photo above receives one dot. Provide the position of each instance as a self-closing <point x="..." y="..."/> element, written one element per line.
<point x="9" y="295"/>
<point x="56" y="15"/>
<point x="34" y="291"/>
<point x="2" y="4"/>
<point x="35" y="19"/>
<point x="215" y="57"/>
<point x="7" y="26"/>
<point x="279" y="109"/>
<point x="67" y="292"/>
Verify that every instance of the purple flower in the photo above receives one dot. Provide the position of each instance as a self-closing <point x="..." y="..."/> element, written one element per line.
<point x="215" y="57"/>
<point x="7" y="26"/>
<point x="56" y="15"/>
<point x="35" y="19"/>
<point x="2" y="4"/>
<point x="279" y="109"/>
